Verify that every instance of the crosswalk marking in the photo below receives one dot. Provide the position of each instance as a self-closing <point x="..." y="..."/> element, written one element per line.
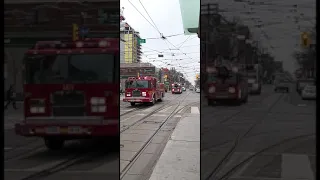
<point x="288" y="167"/>
<point x="296" y="166"/>
<point x="195" y="110"/>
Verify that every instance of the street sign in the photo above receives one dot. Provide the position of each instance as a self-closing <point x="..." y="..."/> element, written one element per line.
<point x="141" y="41"/>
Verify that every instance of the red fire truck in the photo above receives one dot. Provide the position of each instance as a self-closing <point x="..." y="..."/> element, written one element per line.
<point x="176" y="88"/>
<point x="143" y="90"/>
<point x="71" y="90"/>
<point x="225" y="84"/>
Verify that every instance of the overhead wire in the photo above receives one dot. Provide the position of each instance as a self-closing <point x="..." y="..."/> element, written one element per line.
<point x="154" y="26"/>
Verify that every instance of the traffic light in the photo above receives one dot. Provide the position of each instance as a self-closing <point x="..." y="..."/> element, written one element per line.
<point x="305" y="39"/>
<point x="75" y="32"/>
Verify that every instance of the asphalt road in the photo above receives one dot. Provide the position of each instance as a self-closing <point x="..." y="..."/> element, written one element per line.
<point x="272" y="137"/>
<point x="146" y="131"/>
<point x="146" y="127"/>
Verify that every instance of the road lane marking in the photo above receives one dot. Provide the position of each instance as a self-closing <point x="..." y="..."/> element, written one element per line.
<point x="195" y="110"/>
<point x="296" y="166"/>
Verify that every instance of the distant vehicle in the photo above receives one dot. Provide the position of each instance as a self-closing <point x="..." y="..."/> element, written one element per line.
<point x="184" y="89"/>
<point x="176" y="88"/>
<point x="254" y="73"/>
<point x="191" y="88"/>
<point x="145" y="90"/>
<point x="197" y="90"/>
<point x="226" y="84"/>
<point x="301" y="83"/>
<point x="282" y="84"/>
<point x="71" y="91"/>
<point x="309" y="92"/>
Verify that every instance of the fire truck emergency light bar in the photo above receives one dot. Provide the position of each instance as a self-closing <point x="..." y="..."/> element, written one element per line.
<point x="88" y="43"/>
<point x="133" y="78"/>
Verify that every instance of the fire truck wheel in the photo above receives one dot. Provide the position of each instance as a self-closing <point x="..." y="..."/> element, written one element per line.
<point x="133" y="103"/>
<point x="245" y="100"/>
<point x="53" y="143"/>
<point x="153" y="100"/>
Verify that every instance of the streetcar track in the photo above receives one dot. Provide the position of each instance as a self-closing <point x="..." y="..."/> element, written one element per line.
<point x="145" y="145"/>
<point x="234" y="115"/>
<point x="150" y="114"/>
<point x="79" y="157"/>
<point x="228" y="173"/>
<point x="143" y="107"/>
<point x="238" y="139"/>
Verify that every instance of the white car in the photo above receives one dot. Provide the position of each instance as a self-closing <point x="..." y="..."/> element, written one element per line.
<point x="309" y="92"/>
<point x="197" y="90"/>
<point x="183" y="89"/>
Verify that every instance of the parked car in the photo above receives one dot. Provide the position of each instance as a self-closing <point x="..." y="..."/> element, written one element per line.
<point x="197" y="90"/>
<point x="309" y="92"/>
<point x="301" y="83"/>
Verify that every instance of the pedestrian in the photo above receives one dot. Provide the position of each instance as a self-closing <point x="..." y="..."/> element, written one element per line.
<point x="11" y="98"/>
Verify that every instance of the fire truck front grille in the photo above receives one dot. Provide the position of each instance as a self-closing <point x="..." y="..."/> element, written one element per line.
<point x="136" y="93"/>
<point x="68" y="111"/>
<point x="222" y="89"/>
<point x="68" y="104"/>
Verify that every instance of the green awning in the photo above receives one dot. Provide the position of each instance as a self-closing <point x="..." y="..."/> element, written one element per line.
<point x="190" y="10"/>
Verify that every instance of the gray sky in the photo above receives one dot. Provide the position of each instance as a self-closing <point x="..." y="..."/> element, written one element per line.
<point x="283" y="34"/>
<point x="167" y="17"/>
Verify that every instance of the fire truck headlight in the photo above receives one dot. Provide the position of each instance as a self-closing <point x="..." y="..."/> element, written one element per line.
<point x="232" y="90"/>
<point x="79" y="44"/>
<point x="128" y="94"/>
<point x="212" y="89"/>
<point x="102" y="109"/>
<point x="41" y="109"/>
<point x="103" y="43"/>
<point x="37" y="109"/>
<point x="144" y="93"/>
<point x="98" y="108"/>
<point x="97" y="100"/>
<point x="172" y="89"/>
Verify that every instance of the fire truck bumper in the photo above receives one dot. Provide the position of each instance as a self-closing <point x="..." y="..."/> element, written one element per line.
<point x="137" y="100"/>
<point x="222" y="96"/>
<point x="68" y="128"/>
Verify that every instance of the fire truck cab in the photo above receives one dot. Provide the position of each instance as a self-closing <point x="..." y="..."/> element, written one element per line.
<point x="145" y="90"/>
<point x="71" y="90"/>
<point x="176" y="88"/>
<point x="226" y="85"/>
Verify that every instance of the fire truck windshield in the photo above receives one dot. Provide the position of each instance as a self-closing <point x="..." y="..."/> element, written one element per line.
<point x="73" y="68"/>
<point x="138" y="84"/>
<point x="214" y="78"/>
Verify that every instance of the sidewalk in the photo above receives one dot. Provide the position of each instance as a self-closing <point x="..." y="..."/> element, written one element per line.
<point x="181" y="156"/>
